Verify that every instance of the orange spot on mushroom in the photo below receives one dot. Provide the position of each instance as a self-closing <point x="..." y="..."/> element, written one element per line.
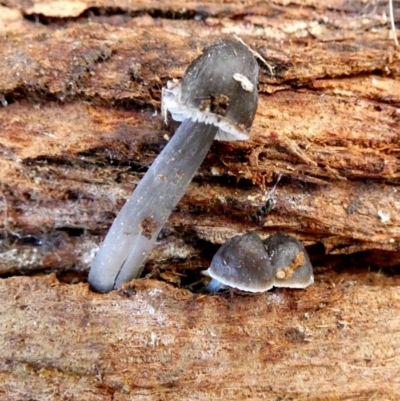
<point x="287" y="272"/>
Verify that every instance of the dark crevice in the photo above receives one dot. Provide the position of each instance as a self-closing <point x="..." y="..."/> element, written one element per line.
<point x="67" y="277"/>
<point x="226" y="181"/>
<point x="33" y="94"/>
<point x="86" y="15"/>
<point x="277" y="67"/>
<point x="100" y="12"/>
<point x="126" y="103"/>
<point x="40" y="95"/>
<point x="307" y="83"/>
<point x="10" y="239"/>
<point x="72" y="231"/>
<point x="32" y="272"/>
<point x="48" y="160"/>
<point x="102" y="159"/>
<point x="183" y="14"/>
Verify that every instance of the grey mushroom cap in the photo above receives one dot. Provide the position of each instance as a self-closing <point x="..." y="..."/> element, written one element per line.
<point x="292" y="265"/>
<point x="242" y="263"/>
<point x="219" y="88"/>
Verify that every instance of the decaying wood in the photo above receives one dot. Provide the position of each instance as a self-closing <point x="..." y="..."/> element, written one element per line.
<point x="82" y="125"/>
<point x="151" y="341"/>
<point x="80" y="88"/>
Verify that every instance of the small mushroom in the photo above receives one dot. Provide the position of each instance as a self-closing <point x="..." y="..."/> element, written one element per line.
<point x="241" y="263"/>
<point x="246" y="263"/>
<point x="291" y="262"/>
<point x="212" y="104"/>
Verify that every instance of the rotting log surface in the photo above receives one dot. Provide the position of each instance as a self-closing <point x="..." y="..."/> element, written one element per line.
<point x="153" y="341"/>
<point x="82" y="125"/>
<point x="80" y="83"/>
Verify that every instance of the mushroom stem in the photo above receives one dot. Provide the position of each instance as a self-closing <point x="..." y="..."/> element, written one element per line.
<point x="135" y="230"/>
<point x="213" y="286"/>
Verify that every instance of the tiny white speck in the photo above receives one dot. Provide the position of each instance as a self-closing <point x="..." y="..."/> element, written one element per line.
<point x="215" y="171"/>
<point x="276" y="298"/>
<point x="244" y="81"/>
<point x="385" y="217"/>
<point x="253" y="197"/>
<point x="153" y="338"/>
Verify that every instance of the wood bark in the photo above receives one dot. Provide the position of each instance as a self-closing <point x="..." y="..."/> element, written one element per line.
<point x="80" y="89"/>
<point x="152" y="341"/>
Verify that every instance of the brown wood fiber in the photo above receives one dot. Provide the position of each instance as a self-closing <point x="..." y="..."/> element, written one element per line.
<point x="80" y="122"/>
<point x="152" y="341"/>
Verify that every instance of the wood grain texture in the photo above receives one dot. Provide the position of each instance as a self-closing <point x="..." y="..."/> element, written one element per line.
<point x="82" y="124"/>
<point x="152" y="341"/>
<point x="80" y="90"/>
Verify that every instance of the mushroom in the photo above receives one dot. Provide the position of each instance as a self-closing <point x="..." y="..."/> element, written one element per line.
<point x="213" y="103"/>
<point x="241" y="263"/>
<point x="246" y="263"/>
<point x="291" y="262"/>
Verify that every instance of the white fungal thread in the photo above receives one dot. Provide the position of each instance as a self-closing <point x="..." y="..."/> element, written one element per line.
<point x="244" y="82"/>
<point x="164" y="110"/>
<point x="270" y="194"/>
<point x="256" y="55"/>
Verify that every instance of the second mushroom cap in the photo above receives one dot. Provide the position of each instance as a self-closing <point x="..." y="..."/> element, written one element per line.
<point x="246" y="263"/>
<point x="242" y="263"/>
<point x="292" y="265"/>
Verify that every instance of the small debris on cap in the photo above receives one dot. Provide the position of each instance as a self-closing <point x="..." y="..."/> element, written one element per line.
<point x="246" y="84"/>
<point x="292" y="265"/>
